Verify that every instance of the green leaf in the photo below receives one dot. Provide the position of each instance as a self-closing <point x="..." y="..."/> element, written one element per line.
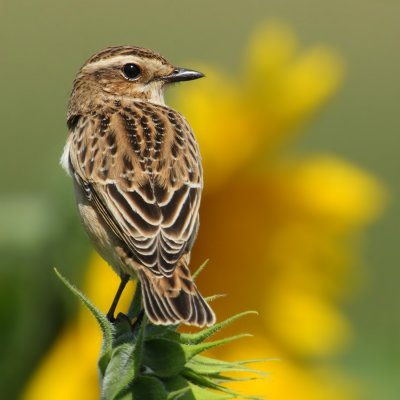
<point x="203" y="393"/>
<point x="203" y="381"/>
<point x="209" y="299"/>
<point x="144" y="388"/>
<point x="178" y="385"/>
<point x="162" y="331"/>
<point x="149" y="388"/>
<point x="199" y="393"/>
<point x="199" y="270"/>
<point x="139" y="348"/>
<point x="192" y="350"/>
<point x="208" y="366"/>
<point x="191" y="391"/>
<point x="105" y="325"/>
<point x="198" y="337"/>
<point x="122" y="332"/>
<point x="181" y="394"/>
<point x="120" y="372"/>
<point x="164" y="357"/>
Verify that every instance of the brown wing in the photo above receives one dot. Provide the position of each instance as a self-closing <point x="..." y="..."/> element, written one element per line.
<point x="141" y="169"/>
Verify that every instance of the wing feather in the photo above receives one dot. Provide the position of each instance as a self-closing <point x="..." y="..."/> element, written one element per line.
<point x="150" y="204"/>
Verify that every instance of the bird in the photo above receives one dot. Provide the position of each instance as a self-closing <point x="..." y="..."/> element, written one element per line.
<point x="138" y="178"/>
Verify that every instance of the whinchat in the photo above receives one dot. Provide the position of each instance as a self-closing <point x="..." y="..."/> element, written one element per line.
<point x="137" y="173"/>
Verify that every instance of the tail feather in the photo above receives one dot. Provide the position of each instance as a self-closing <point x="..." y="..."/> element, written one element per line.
<point x="175" y="299"/>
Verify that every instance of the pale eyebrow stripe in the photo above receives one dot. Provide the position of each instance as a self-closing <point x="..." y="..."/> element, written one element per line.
<point x="109" y="62"/>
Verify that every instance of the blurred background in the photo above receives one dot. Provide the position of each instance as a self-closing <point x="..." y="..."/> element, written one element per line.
<point x="299" y="130"/>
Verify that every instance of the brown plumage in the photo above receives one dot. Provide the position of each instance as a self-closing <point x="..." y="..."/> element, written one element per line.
<point x="137" y="173"/>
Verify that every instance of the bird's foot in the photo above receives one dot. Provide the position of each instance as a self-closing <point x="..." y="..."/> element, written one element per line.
<point x="138" y="320"/>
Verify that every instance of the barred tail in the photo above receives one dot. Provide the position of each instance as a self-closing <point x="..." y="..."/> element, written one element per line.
<point x="175" y="299"/>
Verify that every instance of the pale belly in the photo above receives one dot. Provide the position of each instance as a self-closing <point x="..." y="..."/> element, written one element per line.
<point x="102" y="238"/>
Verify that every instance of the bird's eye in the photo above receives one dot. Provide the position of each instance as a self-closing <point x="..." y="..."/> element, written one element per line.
<point x="131" y="71"/>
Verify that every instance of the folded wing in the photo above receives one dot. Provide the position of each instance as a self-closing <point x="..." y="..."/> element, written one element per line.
<point x="156" y="217"/>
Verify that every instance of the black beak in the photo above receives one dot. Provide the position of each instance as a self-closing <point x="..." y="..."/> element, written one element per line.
<point x="182" y="74"/>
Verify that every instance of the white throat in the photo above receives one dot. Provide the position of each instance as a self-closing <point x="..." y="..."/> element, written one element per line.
<point x="154" y="93"/>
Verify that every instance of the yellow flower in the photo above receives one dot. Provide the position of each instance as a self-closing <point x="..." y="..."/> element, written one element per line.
<point x="280" y="230"/>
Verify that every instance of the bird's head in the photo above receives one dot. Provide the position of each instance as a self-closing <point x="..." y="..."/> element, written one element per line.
<point x="126" y="72"/>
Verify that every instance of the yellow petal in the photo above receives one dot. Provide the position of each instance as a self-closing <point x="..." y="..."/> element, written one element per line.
<point x="336" y="191"/>
<point x="306" y="323"/>
<point x="271" y="48"/>
<point x="69" y="369"/>
<point x="286" y="379"/>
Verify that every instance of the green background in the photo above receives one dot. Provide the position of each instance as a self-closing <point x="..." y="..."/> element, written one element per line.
<point x="43" y="43"/>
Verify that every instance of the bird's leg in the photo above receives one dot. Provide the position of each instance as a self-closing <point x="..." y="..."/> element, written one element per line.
<point x="121" y="287"/>
<point x="138" y="319"/>
<point x="136" y="312"/>
<point x="136" y="303"/>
